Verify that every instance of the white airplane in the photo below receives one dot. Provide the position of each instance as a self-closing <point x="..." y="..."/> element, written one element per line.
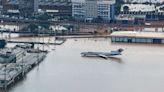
<point x="102" y="54"/>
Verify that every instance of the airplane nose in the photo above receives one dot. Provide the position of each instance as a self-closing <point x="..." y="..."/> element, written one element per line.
<point x="82" y="54"/>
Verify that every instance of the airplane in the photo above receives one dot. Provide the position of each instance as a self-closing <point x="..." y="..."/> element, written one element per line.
<point x="104" y="55"/>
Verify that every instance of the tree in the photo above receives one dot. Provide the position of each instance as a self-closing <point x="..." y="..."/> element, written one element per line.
<point x="118" y="6"/>
<point x="33" y="28"/>
<point x="44" y="17"/>
<point x="45" y="25"/>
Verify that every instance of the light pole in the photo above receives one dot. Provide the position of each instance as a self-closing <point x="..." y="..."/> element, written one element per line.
<point x="2" y="27"/>
<point x="55" y="39"/>
<point x="5" y="79"/>
<point x="39" y="29"/>
<point x="23" y="65"/>
<point x="38" y="58"/>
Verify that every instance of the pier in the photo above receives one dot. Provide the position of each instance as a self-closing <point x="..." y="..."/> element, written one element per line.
<point x="51" y="43"/>
<point x="57" y="41"/>
<point x="26" y="59"/>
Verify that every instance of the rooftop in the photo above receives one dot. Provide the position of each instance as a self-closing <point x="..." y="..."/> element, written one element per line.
<point x="57" y="3"/>
<point x="144" y="1"/>
<point x="129" y="16"/>
<point x="99" y="1"/>
<point x="139" y="7"/>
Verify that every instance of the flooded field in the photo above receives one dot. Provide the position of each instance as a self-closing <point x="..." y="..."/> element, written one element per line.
<point x="139" y="69"/>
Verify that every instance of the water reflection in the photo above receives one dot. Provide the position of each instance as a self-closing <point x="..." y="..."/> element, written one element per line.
<point x="110" y="59"/>
<point x="116" y="59"/>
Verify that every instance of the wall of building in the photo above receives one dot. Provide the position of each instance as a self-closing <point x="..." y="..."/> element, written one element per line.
<point x="28" y="7"/>
<point x="62" y="9"/>
<point x="137" y="40"/>
<point x="78" y="10"/>
<point x="57" y="10"/>
<point x="93" y="9"/>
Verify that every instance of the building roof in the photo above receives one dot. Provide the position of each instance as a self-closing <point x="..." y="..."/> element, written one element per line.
<point x="138" y="34"/>
<point x="144" y="1"/>
<point x="56" y="3"/>
<point x="78" y="0"/>
<point x="129" y="17"/>
<point x="99" y="1"/>
<point x="139" y="7"/>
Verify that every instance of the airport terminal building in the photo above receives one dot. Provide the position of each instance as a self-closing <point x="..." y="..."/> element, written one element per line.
<point x="138" y="37"/>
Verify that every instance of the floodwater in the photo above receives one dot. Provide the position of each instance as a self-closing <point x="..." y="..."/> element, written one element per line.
<point x="139" y="69"/>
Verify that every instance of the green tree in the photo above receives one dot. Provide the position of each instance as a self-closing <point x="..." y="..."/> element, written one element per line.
<point x="43" y="17"/>
<point x="118" y="6"/>
<point x="33" y="28"/>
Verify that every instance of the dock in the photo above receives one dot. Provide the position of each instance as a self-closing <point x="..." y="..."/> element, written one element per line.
<point x="53" y="43"/>
<point x="57" y="42"/>
<point x="10" y="73"/>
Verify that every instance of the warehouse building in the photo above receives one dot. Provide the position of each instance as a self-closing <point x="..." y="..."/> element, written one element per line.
<point x="138" y="37"/>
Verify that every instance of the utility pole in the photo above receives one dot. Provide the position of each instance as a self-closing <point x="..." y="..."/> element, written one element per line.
<point x="5" y="79"/>
<point x="2" y="27"/>
<point x="43" y="42"/>
<point x="38" y="58"/>
<point x="23" y="73"/>
<point x="39" y="28"/>
<point x="55" y="40"/>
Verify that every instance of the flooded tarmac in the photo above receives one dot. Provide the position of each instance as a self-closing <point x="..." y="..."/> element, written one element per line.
<point x="139" y="69"/>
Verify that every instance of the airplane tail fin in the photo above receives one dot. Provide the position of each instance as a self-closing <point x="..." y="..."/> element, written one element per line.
<point x="120" y="50"/>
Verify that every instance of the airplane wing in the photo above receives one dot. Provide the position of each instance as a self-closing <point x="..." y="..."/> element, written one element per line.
<point x="103" y="56"/>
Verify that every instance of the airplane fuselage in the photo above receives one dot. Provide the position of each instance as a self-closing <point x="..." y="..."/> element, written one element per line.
<point x="102" y="54"/>
<point x="99" y="53"/>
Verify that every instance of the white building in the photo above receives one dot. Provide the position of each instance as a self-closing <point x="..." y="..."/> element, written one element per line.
<point x="89" y="9"/>
<point x="78" y="9"/>
<point x="142" y="8"/>
<point x="138" y="37"/>
<point x="138" y="7"/>
<point x="144" y="1"/>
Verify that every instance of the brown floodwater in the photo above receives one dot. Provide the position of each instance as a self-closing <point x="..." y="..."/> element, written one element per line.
<point x="139" y="69"/>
